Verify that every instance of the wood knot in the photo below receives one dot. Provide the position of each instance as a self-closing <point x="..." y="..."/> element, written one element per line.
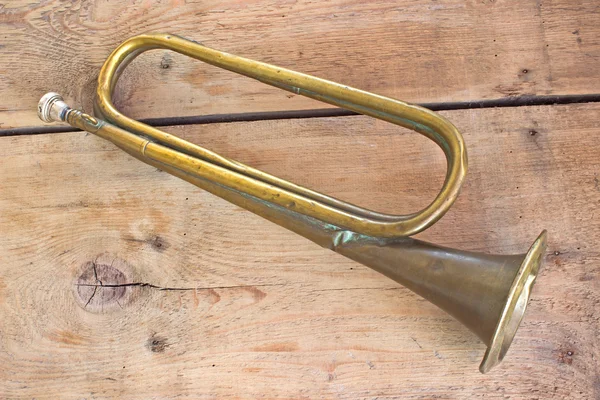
<point x="159" y="244"/>
<point x="156" y="344"/>
<point x="166" y="61"/>
<point x="566" y="357"/>
<point x="101" y="285"/>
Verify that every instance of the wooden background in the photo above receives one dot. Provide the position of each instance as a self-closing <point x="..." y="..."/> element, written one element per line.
<point x="213" y="302"/>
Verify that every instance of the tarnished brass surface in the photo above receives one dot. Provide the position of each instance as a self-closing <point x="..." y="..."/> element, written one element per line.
<point x="487" y="293"/>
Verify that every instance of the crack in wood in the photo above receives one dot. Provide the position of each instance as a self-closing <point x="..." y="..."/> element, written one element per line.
<point x="508" y="101"/>
<point x="152" y="286"/>
<point x="97" y="280"/>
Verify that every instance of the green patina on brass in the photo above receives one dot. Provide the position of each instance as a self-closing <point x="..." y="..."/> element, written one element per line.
<point x="487" y="293"/>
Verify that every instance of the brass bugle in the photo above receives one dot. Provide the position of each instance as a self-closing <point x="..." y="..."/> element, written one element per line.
<point x="487" y="293"/>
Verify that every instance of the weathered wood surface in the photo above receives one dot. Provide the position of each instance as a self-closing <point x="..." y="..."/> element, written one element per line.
<point x="416" y="50"/>
<point x="231" y="306"/>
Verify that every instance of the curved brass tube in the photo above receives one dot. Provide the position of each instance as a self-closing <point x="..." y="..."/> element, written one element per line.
<point x="306" y="201"/>
<point x="488" y="293"/>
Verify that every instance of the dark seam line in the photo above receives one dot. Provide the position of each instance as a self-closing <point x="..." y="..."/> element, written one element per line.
<point x="516" y="101"/>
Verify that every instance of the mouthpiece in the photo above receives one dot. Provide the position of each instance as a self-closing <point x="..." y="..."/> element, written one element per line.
<point x="52" y="108"/>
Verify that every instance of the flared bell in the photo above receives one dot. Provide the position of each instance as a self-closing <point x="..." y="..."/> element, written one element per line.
<point x="487" y="293"/>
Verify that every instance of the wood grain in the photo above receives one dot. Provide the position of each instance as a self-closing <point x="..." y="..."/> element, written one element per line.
<point x="415" y="50"/>
<point x="223" y="304"/>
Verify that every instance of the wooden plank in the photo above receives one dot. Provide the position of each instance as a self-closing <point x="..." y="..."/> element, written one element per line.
<point x="229" y="305"/>
<point x="414" y="50"/>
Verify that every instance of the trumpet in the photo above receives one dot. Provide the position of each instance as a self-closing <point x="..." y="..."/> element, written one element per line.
<point x="487" y="293"/>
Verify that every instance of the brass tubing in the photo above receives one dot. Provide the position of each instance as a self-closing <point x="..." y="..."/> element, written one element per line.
<point x="318" y="205"/>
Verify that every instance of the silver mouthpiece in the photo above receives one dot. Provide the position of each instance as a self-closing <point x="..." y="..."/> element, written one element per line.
<point x="52" y="108"/>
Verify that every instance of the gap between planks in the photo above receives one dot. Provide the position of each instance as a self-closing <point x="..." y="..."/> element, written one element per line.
<point x="518" y="101"/>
